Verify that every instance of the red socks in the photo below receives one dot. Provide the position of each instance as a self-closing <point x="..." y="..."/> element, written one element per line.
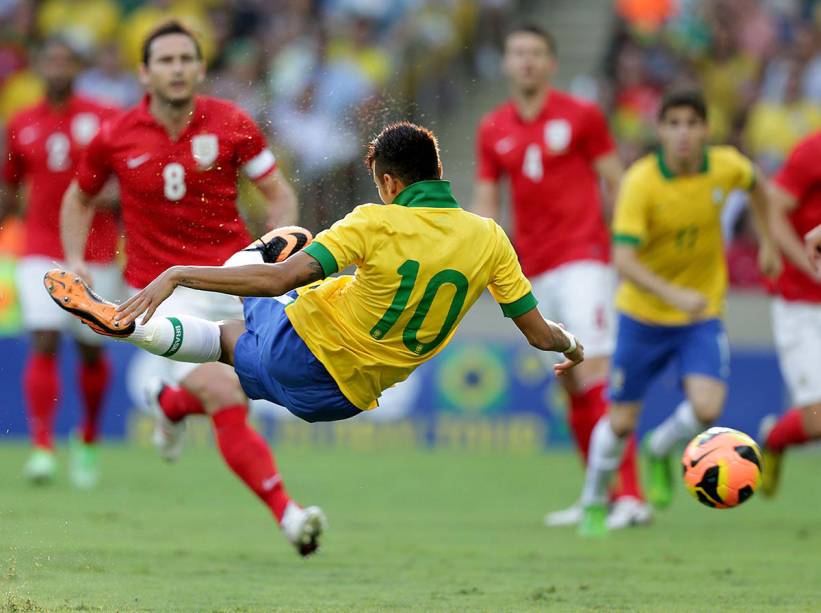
<point x="788" y="431"/>
<point x="628" y="475"/>
<point x="586" y="408"/>
<point x="94" y="379"/>
<point x="41" y="385"/>
<point x="177" y="402"/>
<point x="248" y="455"/>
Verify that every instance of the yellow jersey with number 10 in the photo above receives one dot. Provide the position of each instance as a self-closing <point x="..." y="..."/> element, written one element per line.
<point x="421" y="263"/>
<point x="675" y="224"/>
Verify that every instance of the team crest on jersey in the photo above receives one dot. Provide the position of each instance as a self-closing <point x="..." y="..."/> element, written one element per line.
<point x="557" y="134"/>
<point x="84" y="127"/>
<point x="205" y="148"/>
<point x="718" y="196"/>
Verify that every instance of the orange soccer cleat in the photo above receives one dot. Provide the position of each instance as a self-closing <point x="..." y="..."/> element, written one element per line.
<point x="72" y="294"/>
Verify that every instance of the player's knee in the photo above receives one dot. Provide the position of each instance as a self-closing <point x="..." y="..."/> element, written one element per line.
<point x="217" y="391"/>
<point x="89" y="354"/>
<point x="46" y="341"/>
<point x="812" y="419"/>
<point x="707" y="409"/>
<point x="623" y="423"/>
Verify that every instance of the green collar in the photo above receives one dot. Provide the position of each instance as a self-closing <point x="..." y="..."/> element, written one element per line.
<point x="430" y="194"/>
<point x="669" y="174"/>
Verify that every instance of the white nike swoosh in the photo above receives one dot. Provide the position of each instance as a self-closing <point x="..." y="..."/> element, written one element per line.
<point x="137" y="161"/>
<point x="268" y="484"/>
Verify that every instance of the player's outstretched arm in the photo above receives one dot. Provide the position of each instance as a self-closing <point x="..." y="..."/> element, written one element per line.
<point x="782" y="203"/>
<point x="263" y="280"/>
<point x="281" y="199"/>
<point x="76" y="215"/>
<point x="812" y="241"/>
<point x="769" y="259"/>
<point x="548" y="336"/>
<point x="486" y="199"/>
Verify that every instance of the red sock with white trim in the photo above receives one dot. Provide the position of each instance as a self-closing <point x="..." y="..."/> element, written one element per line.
<point x="41" y="386"/>
<point x="248" y="455"/>
<point x="788" y="431"/>
<point x="94" y="379"/>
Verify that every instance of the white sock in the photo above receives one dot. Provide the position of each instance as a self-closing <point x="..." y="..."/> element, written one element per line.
<point x="606" y="451"/>
<point x="243" y="258"/>
<point x="183" y="338"/>
<point x="682" y="425"/>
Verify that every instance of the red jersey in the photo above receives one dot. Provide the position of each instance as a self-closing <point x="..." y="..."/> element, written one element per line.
<point x="549" y="161"/>
<point x="43" y="146"/>
<point x="178" y="196"/>
<point x="801" y="177"/>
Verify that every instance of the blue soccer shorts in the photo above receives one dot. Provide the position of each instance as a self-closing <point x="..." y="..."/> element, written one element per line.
<point x="273" y="363"/>
<point x="644" y="350"/>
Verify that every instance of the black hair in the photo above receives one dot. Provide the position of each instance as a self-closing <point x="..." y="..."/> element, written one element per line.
<point x="168" y="27"/>
<point x="406" y="151"/>
<point x="537" y="30"/>
<point x="690" y="98"/>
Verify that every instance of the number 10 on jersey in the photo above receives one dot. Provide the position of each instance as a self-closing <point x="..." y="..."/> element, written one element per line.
<point x="409" y="271"/>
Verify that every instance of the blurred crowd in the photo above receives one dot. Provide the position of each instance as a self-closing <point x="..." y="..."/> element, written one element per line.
<point x="319" y="75"/>
<point x="759" y="63"/>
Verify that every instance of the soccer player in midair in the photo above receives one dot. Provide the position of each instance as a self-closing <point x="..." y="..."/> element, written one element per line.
<point x="668" y="249"/>
<point x="796" y="311"/>
<point x="328" y="350"/>
<point x="43" y="146"/>
<point x="177" y="157"/>
<point x="556" y="150"/>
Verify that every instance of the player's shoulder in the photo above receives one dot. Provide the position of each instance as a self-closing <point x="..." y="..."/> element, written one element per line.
<point x="645" y="168"/>
<point x="567" y="100"/>
<point x="220" y="107"/>
<point x="26" y="115"/>
<point x="727" y="159"/>
<point x="84" y="104"/>
<point x="564" y="103"/>
<point x="725" y="154"/>
<point x="498" y="117"/>
<point x="809" y="146"/>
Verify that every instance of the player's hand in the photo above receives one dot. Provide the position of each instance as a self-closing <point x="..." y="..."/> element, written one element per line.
<point x="812" y="242"/>
<point x="688" y="300"/>
<point x="80" y="268"/>
<point x="147" y="299"/>
<point x="769" y="259"/>
<point x="571" y="359"/>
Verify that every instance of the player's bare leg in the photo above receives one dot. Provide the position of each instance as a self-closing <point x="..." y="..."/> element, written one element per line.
<point x="704" y="401"/>
<point x="41" y="385"/>
<point x="796" y="427"/>
<point x="94" y="377"/>
<point x="586" y="387"/>
<point x="606" y="453"/>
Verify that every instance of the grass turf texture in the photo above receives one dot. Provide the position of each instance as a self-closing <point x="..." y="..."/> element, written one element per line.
<point x="409" y="530"/>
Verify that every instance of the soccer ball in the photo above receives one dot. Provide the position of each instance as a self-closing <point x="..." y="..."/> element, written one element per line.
<point x="722" y="467"/>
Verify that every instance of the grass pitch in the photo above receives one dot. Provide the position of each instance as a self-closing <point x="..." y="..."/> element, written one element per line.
<point x="409" y="531"/>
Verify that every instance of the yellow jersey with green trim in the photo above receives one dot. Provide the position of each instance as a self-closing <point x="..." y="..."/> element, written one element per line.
<point x="421" y="263"/>
<point x="675" y="224"/>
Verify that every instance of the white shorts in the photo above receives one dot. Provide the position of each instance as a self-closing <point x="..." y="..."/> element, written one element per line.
<point x="184" y="301"/>
<point x="580" y="296"/>
<point x="38" y="309"/>
<point x="797" y="331"/>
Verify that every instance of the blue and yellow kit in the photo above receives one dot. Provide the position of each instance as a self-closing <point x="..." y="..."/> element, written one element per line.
<point x="675" y="224"/>
<point x="421" y="262"/>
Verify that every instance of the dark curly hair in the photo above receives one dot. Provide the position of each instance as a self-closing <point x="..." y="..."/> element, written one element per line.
<point x="406" y="151"/>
